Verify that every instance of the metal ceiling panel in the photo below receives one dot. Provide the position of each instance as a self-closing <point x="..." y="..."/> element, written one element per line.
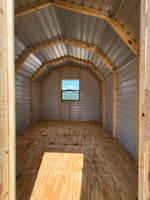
<point x="62" y="64"/>
<point x="37" y="27"/>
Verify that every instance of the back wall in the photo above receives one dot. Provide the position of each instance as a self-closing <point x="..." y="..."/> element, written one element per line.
<point x="86" y="109"/>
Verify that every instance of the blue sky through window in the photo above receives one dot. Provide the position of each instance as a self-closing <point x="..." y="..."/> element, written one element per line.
<point x="70" y="84"/>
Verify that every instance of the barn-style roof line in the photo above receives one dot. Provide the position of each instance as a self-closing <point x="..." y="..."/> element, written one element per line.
<point x="84" y="10"/>
<point x="68" y="41"/>
<point x="94" y="68"/>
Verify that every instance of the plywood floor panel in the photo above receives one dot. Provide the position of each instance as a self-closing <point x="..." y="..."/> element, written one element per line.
<point x="108" y="170"/>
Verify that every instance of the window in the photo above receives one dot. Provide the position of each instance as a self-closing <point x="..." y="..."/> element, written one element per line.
<point x="70" y="90"/>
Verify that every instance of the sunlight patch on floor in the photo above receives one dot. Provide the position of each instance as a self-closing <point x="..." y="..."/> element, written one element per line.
<point x="59" y="177"/>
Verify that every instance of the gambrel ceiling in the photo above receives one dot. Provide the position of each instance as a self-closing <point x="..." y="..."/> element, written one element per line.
<point x="109" y="41"/>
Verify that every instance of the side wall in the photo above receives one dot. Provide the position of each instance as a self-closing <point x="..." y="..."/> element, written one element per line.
<point x="51" y="97"/>
<point x="126" y="105"/>
<point x="109" y="103"/>
<point x="101" y="103"/>
<point x="22" y="86"/>
<point x="36" y="102"/>
<point x="86" y="109"/>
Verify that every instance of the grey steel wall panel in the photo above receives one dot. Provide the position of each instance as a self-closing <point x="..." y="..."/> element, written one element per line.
<point x="75" y="73"/>
<point x="88" y="97"/>
<point x="64" y="110"/>
<point x="75" y="110"/>
<point x="109" y="103"/>
<point x="51" y="97"/>
<point x="126" y="105"/>
<point x="36" y="102"/>
<point x="101" y="103"/>
<point x="66" y="74"/>
<point x="22" y="86"/>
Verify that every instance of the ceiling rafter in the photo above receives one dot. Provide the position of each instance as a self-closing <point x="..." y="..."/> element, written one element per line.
<point x="76" y="43"/>
<point x="68" y="58"/>
<point x="84" y="10"/>
<point x="32" y="7"/>
<point x="87" y="63"/>
<point x="67" y="67"/>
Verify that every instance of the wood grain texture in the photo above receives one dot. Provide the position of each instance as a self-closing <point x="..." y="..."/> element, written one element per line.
<point x="7" y="102"/>
<point x="51" y="181"/>
<point x="108" y="171"/>
<point x="137" y="110"/>
<point x="144" y="106"/>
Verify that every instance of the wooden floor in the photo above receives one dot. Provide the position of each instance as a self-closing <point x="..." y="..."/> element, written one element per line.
<point x="108" y="171"/>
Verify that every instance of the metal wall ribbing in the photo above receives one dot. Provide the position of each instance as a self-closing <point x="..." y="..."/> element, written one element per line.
<point x="88" y="97"/>
<point x="51" y="97"/>
<point x="101" y="103"/>
<point x="109" y="102"/>
<point x="87" y="108"/>
<point x="36" y="102"/>
<point x="126" y="105"/>
<point x="22" y="85"/>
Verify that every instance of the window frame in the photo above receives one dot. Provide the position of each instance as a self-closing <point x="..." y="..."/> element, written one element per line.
<point x="61" y="89"/>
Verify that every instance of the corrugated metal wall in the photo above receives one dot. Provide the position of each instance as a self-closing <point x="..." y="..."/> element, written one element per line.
<point x="101" y="103"/>
<point x="87" y="108"/>
<point x="51" y="97"/>
<point x="109" y="102"/>
<point x="22" y="103"/>
<point x="126" y="105"/>
<point x="89" y="97"/>
<point x="36" y="102"/>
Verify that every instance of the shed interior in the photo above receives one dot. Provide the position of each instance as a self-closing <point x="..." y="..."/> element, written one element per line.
<point x="96" y="42"/>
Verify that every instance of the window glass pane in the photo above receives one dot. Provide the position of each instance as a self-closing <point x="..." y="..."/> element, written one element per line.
<point x="70" y="90"/>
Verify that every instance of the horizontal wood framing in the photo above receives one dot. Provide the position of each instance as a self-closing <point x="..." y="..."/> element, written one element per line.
<point x="84" y="10"/>
<point x="68" y="58"/>
<point x="73" y="42"/>
<point x="32" y="7"/>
